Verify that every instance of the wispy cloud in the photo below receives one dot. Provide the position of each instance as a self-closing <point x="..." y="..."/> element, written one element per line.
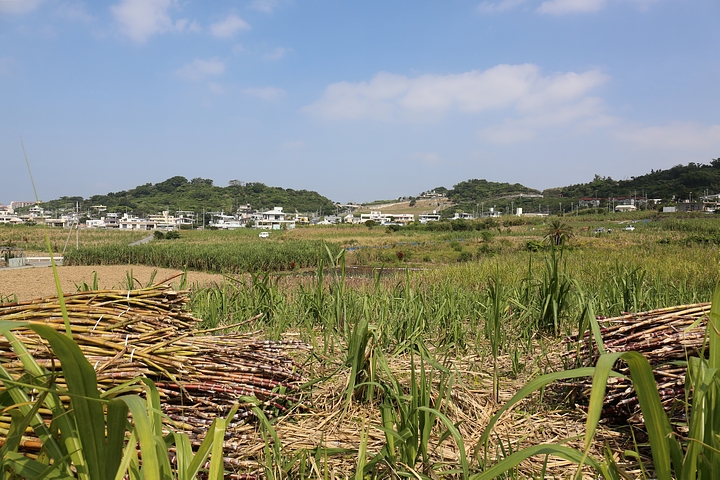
<point x="140" y="19"/>
<point x="277" y="53"/>
<point x="270" y="94"/>
<point x="393" y="97"/>
<point x="562" y="7"/>
<point x="198" y="70"/>
<point x="74" y="11"/>
<point x="216" y="88"/>
<point x="501" y="6"/>
<point x="556" y="7"/>
<point x="265" y="6"/>
<point x="228" y="27"/>
<point x="686" y="136"/>
<point x="18" y="7"/>
<point x="507" y="134"/>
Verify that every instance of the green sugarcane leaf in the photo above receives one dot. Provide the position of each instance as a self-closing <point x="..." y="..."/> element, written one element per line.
<point x="19" y="423"/>
<point x="456" y="435"/>
<point x="202" y="453"/>
<point x="117" y="412"/>
<point x="25" y="467"/>
<point x="217" y="470"/>
<point x="129" y="456"/>
<point x="656" y="421"/>
<point x="208" y="442"/>
<point x="144" y="431"/>
<point x="528" y="389"/>
<point x="69" y="442"/>
<point x="516" y="458"/>
<point x="153" y="401"/>
<point x="184" y="455"/>
<point x="84" y="398"/>
<point x="166" y="472"/>
<point x="713" y="330"/>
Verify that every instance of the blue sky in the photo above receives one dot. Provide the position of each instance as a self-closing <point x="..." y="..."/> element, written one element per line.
<point x="356" y="100"/>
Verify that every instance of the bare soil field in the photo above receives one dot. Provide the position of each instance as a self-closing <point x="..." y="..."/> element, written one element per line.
<point x="29" y="283"/>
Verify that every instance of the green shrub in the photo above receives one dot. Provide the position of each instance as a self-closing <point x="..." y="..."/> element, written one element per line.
<point x="534" y="245"/>
<point x="464" y="256"/>
<point x="456" y="246"/>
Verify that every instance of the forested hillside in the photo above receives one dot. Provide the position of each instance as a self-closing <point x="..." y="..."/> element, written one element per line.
<point x="680" y="182"/>
<point x="474" y="190"/>
<point x="179" y="193"/>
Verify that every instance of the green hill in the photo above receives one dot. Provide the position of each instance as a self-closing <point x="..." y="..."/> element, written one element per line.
<point x="179" y="193"/>
<point x="475" y="195"/>
<point x="680" y="182"/>
<point x="473" y="191"/>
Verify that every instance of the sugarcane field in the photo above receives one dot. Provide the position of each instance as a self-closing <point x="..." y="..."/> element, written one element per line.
<point x="539" y="347"/>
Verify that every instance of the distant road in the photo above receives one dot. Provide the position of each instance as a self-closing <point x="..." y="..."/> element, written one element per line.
<point x="143" y="240"/>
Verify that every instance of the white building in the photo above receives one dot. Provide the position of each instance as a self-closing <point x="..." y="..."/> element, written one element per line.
<point x="387" y="218"/>
<point x="274" y="219"/>
<point x="625" y="208"/>
<point x="10" y="218"/>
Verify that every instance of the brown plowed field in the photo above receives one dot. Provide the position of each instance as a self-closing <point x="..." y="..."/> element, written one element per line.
<point x="29" y="283"/>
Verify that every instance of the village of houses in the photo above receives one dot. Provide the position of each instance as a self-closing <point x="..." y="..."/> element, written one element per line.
<point x="276" y="219"/>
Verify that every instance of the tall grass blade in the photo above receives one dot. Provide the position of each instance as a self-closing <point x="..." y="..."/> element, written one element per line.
<point x="25" y="467"/>
<point x="117" y="412"/>
<point x="84" y="398"/>
<point x="56" y="277"/>
<point x="656" y="421"/>
<point x="514" y="459"/>
<point x="143" y="430"/>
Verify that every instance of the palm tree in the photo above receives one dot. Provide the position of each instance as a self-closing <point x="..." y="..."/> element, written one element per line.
<point x="559" y="232"/>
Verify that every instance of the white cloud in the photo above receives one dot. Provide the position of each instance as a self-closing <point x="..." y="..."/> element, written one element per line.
<point x="18" y="6"/>
<point x="198" y="70"/>
<point x="74" y="11"/>
<point x="557" y="7"/>
<point x="691" y="136"/>
<point x="561" y="7"/>
<point x="216" y="88"/>
<point x="427" y="158"/>
<point x="393" y="97"/>
<point x="140" y="19"/>
<point x="507" y="134"/>
<point x="229" y="27"/>
<point x="501" y="6"/>
<point x="277" y="53"/>
<point x="265" y="6"/>
<point x="270" y="94"/>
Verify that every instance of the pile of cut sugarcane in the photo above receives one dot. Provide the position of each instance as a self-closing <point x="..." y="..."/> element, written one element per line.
<point x="665" y="337"/>
<point x="150" y="333"/>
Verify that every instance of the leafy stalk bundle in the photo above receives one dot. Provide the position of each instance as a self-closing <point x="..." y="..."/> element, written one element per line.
<point x="666" y="338"/>
<point x="147" y="333"/>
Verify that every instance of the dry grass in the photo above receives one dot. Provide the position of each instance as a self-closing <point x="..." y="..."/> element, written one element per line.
<point x="158" y="326"/>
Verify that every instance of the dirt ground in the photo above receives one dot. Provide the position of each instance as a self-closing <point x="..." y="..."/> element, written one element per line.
<point x="29" y="283"/>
